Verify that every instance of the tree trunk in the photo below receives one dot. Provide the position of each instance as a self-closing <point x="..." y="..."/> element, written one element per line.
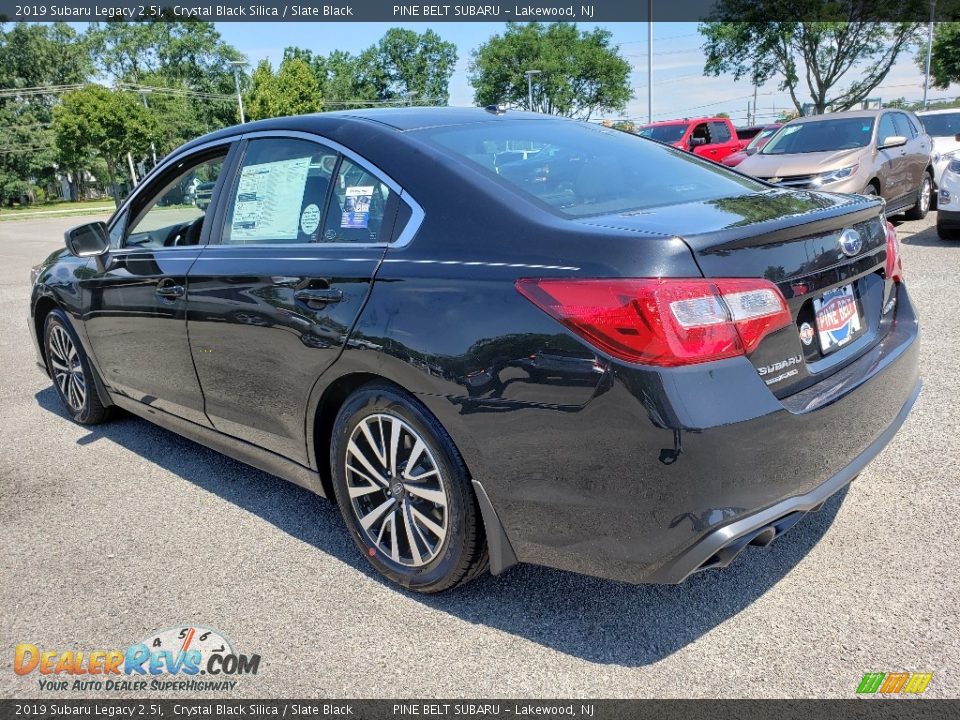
<point x="113" y="183"/>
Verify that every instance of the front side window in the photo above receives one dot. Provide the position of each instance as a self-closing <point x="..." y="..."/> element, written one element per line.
<point x="174" y="216"/>
<point x="903" y="126"/>
<point x="887" y="128"/>
<point x="584" y="169"/>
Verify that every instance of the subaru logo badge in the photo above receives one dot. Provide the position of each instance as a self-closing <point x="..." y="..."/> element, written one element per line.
<point x="850" y="242"/>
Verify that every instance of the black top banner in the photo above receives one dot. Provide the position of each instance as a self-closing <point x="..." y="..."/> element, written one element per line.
<point x="535" y="10"/>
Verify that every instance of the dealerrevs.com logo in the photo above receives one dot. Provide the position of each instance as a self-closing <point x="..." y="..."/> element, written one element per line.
<point x="187" y="658"/>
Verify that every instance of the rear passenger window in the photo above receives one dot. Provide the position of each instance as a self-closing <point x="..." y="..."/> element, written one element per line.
<point x="719" y="132"/>
<point x="281" y="193"/>
<point x="362" y="207"/>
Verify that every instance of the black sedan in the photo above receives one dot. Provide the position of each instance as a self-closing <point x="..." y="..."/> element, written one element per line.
<point x="634" y="372"/>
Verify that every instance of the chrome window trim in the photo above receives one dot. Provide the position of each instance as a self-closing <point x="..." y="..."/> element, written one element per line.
<point x="417" y="214"/>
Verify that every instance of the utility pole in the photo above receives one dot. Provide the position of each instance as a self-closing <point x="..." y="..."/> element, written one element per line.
<point x="237" y="64"/>
<point x="153" y="148"/>
<point x="926" y="77"/>
<point x="530" y="74"/>
<point x="649" y="61"/>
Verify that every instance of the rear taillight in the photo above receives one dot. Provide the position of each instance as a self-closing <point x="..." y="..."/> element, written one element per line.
<point x="663" y="321"/>
<point x="894" y="263"/>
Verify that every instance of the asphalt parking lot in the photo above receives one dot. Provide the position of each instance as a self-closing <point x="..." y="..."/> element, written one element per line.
<point x="110" y="533"/>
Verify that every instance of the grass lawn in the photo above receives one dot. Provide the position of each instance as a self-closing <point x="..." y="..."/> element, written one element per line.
<point x="55" y="209"/>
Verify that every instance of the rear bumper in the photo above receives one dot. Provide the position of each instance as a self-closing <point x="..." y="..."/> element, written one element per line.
<point x="663" y="472"/>
<point x="720" y="547"/>
<point x="948" y="219"/>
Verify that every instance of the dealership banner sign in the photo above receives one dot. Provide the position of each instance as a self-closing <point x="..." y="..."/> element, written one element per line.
<point x="432" y="12"/>
<point x="485" y="709"/>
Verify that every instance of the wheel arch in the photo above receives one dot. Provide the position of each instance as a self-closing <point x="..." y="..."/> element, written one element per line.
<point x="44" y="305"/>
<point x="502" y="555"/>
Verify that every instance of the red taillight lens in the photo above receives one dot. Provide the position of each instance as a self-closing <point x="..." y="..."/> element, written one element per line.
<point x="894" y="263"/>
<point x="663" y="321"/>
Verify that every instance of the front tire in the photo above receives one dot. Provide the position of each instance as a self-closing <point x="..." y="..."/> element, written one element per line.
<point x="920" y="210"/>
<point x="71" y="371"/>
<point x="404" y="492"/>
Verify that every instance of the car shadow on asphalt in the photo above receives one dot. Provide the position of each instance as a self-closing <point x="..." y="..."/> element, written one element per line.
<point x="597" y="620"/>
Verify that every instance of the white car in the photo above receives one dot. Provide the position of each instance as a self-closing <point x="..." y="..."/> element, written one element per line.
<point x="943" y="126"/>
<point x="948" y="201"/>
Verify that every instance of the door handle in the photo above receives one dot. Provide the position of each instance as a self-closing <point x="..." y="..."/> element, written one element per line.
<point x="170" y="292"/>
<point x="315" y="297"/>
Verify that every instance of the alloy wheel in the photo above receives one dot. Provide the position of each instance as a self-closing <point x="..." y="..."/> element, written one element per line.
<point x="67" y="368"/>
<point x="396" y="490"/>
<point x="924" y="199"/>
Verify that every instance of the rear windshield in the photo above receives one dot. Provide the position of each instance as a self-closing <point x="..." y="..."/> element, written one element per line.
<point x="580" y="169"/>
<point x="820" y="136"/>
<point x="945" y="125"/>
<point x="663" y="133"/>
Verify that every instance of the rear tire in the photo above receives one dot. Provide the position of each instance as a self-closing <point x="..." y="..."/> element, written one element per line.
<point x="404" y="491"/>
<point x="920" y="210"/>
<point x="72" y="373"/>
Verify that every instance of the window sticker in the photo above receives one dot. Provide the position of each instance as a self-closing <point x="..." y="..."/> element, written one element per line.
<point x="268" y="199"/>
<point x="310" y="219"/>
<point x="356" y="207"/>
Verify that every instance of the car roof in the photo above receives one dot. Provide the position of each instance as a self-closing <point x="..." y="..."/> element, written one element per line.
<point x="844" y="114"/>
<point x="941" y="111"/>
<point x="388" y="119"/>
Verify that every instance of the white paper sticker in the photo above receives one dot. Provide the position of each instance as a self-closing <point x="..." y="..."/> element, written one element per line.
<point x="268" y="197"/>
<point x="356" y="207"/>
<point x="310" y="219"/>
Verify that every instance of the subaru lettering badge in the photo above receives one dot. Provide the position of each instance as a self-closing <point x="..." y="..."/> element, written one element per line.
<point x="850" y="242"/>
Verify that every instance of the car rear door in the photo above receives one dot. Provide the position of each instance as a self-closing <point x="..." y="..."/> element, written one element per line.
<point x="135" y="305"/>
<point x="917" y="148"/>
<point x="301" y="231"/>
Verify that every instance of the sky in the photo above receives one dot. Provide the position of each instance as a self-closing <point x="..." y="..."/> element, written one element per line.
<point x="680" y="89"/>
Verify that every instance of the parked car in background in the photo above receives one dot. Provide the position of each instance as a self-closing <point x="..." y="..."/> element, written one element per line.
<point x="948" y="200"/>
<point x="758" y="140"/>
<point x="483" y="370"/>
<point x="710" y="137"/>
<point x="203" y="194"/>
<point x="872" y="152"/>
<point x="943" y="127"/>
<point x="746" y="134"/>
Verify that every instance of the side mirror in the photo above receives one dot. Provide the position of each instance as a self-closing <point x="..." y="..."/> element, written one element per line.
<point x="697" y="141"/>
<point x="957" y="137"/>
<point x="892" y="141"/>
<point x="90" y="240"/>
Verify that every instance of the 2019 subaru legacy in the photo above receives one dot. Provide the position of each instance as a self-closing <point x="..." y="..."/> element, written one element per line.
<point x="633" y="370"/>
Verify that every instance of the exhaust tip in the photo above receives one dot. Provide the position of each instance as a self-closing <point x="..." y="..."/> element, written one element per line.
<point x="765" y="537"/>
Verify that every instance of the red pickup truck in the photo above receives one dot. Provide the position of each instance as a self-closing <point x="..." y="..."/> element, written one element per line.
<point x="711" y="137"/>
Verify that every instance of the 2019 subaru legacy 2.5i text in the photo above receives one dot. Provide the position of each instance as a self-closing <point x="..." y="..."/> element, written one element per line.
<point x="632" y="368"/>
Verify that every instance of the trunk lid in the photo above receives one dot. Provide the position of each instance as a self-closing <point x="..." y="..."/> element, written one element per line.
<point x="791" y="238"/>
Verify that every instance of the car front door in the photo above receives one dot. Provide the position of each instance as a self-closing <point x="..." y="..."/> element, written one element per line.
<point x="917" y="148"/>
<point x="895" y="181"/>
<point x="300" y="233"/>
<point x="135" y="310"/>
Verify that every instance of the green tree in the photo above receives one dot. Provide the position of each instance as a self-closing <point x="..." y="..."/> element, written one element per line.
<point x="33" y="57"/>
<point x="292" y="90"/>
<point x="188" y="57"/>
<point x="417" y="64"/>
<point x="580" y="72"/>
<point x="945" y="60"/>
<point x="403" y="66"/>
<point x="95" y="122"/>
<point x="821" y="40"/>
